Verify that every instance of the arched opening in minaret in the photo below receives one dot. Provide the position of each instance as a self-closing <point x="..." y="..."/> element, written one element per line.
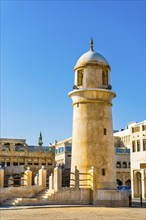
<point x="105" y="78"/>
<point x="80" y="78"/>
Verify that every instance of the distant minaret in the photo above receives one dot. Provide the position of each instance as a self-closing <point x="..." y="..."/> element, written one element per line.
<point x="40" y="142"/>
<point x="92" y="135"/>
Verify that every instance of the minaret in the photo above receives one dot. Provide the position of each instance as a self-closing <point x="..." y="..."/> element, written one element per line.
<point x="40" y="142"/>
<point x="92" y="137"/>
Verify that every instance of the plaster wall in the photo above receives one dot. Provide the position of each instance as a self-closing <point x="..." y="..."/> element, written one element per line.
<point x="91" y="147"/>
<point x="111" y="198"/>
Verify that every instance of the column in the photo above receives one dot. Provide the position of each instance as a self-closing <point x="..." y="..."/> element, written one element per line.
<point x="22" y="181"/>
<point x="10" y="181"/>
<point x="1" y="177"/>
<point x="133" y="182"/>
<point x="142" y="183"/>
<point x="92" y="180"/>
<point x="36" y="179"/>
<point x="28" y="177"/>
<point x="42" y="177"/>
<point x="51" y="181"/>
<point x="76" y="178"/>
<point x="57" y="178"/>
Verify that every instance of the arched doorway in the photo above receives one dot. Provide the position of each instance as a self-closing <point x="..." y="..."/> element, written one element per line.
<point x="128" y="182"/>
<point x="137" y="185"/>
<point x="119" y="182"/>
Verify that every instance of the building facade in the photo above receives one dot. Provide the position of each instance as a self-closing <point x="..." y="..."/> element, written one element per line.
<point x="133" y="137"/>
<point x="122" y="156"/>
<point x="138" y="159"/>
<point x="63" y="153"/>
<point x="16" y="155"/>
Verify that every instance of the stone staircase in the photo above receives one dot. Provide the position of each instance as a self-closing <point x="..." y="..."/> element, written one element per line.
<point x="42" y="198"/>
<point x="64" y="196"/>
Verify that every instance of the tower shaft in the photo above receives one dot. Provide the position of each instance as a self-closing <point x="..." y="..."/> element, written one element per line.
<point x="92" y="140"/>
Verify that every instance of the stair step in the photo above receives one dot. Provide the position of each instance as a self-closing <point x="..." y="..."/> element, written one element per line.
<point x="42" y="198"/>
<point x="9" y="202"/>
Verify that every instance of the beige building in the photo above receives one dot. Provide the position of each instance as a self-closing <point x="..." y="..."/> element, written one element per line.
<point x="138" y="159"/>
<point x="122" y="156"/>
<point x="63" y="158"/>
<point x="16" y="155"/>
<point x="63" y="153"/>
<point x="134" y="138"/>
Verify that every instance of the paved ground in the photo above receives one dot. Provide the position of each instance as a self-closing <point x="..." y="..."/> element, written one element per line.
<point x="74" y="213"/>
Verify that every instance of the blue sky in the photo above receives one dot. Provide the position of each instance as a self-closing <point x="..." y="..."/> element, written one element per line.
<point x="41" y="42"/>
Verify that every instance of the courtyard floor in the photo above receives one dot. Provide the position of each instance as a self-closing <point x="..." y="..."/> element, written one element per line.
<point x="73" y="213"/>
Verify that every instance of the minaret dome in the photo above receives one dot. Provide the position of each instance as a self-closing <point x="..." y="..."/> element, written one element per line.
<point x="92" y="71"/>
<point x="91" y="58"/>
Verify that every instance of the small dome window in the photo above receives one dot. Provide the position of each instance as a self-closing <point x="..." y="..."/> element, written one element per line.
<point x="80" y="78"/>
<point x="105" y="78"/>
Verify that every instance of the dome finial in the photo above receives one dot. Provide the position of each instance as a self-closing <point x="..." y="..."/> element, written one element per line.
<point x="91" y="44"/>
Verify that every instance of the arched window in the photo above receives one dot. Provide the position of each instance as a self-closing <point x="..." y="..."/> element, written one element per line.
<point x="118" y="164"/>
<point x="6" y="147"/>
<point x="80" y="78"/>
<point x="119" y="182"/>
<point x="128" y="182"/>
<point x="129" y="165"/>
<point x="105" y="78"/>
<point x="124" y="164"/>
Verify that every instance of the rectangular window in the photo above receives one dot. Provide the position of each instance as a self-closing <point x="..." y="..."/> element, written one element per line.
<point x="144" y="127"/>
<point x="105" y="78"/>
<point x="80" y="78"/>
<point x="2" y="164"/>
<point x="119" y="151"/>
<point x="103" y="172"/>
<point x="133" y="146"/>
<point x="68" y="148"/>
<point x="142" y="165"/>
<point x="138" y="145"/>
<point x="127" y="151"/>
<point x="135" y="129"/>
<point x="15" y="164"/>
<point x="36" y="164"/>
<point x="8" y="164"/>
<point x="144" y="145"/>
<point x="61" y="149"/>
<point x="104" y="131"/>
<point x="43" y="164"/>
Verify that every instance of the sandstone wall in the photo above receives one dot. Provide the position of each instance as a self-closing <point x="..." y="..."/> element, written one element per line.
<point x="19" y="192"/>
